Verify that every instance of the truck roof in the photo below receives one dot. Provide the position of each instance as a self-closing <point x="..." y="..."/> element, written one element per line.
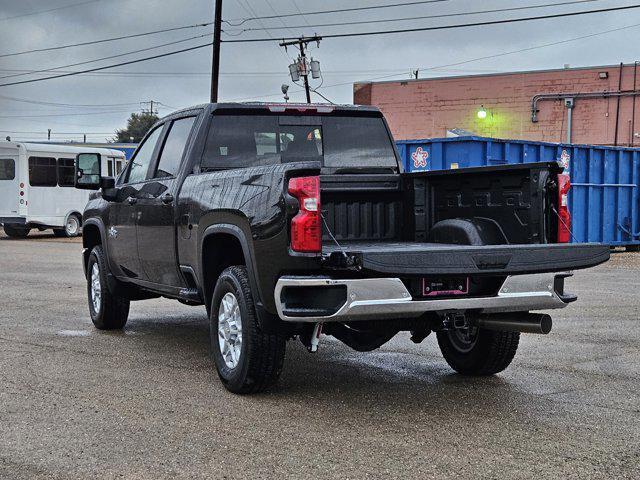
<point x="277" y="107"/>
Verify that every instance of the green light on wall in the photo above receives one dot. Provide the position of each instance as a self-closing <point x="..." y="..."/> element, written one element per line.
<point x="482" y="113"/>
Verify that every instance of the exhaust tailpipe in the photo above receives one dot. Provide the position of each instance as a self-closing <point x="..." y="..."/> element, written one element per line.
<point x="517" y="322"/>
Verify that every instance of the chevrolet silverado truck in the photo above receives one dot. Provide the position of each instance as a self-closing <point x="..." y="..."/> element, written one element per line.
<point x="292" y="221"/>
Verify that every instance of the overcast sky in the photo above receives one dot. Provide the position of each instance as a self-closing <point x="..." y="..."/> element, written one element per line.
<point x="255" y="71"/>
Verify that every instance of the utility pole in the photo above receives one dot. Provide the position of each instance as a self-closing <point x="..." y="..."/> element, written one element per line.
<point x="48" y="134"/>
<point x="215" y="61"/>
<point x="151" y="110"/>
<point x="302" y="68"/>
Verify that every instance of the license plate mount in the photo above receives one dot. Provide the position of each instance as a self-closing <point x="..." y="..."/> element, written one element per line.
<point x="437" y="287"/>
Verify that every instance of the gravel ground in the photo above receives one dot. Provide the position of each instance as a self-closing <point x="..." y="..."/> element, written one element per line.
<point x="146" y="402"/>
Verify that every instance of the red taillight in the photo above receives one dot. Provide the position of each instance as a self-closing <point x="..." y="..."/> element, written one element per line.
<point x="306" y="226"/>
<point x="564" y="220"/>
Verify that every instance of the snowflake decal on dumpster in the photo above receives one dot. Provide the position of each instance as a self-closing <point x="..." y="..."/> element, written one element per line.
<point x="419" y="158"/>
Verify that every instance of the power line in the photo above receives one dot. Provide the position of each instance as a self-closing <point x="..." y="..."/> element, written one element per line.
<point x="112" y="39"/>
<point x="67" y="114"/>
<point x="56" y="133"/>
<point x="106" y="58"/>
<point x="65" y="105"/>
<point x="47" y="11"/>
<point x="527" y="49"/>
<point x="175" y="52"/>
<point x="251" y="11"/>
<point x="445" y="27"/>
<point x="471" y="60"/>
<point x="423" y="17"/>
<point x="230" y="74"/>
<point x="295" y="4"/>
<point x="339" y="10"/>
<point x="284" y="25"/>
<point x="364" y="33"/>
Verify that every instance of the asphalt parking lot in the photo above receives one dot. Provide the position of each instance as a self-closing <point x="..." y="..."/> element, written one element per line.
<point x="146" y="402"/>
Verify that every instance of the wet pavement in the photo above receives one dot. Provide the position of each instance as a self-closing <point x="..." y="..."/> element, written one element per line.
<point x="146" y="402"/>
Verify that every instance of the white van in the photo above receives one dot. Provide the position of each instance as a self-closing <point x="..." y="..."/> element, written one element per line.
<point x="36" y="186"/>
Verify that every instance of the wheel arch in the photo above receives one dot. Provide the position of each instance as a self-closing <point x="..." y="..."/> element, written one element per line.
<point x="468" y="231"/>
<point x="232" y="240"/>
<point x="73" y="212"/>
<point x="93" y="233"/>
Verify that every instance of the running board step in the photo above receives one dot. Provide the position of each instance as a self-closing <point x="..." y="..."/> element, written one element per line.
<point x="190" y="295"/>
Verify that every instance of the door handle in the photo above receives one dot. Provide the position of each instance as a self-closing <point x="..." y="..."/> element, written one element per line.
<point x="132" y="200"/>
<point x="167" y="198"/>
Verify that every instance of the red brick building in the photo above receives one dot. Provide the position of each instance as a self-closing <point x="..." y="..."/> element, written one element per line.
<point x="427" y="108"/>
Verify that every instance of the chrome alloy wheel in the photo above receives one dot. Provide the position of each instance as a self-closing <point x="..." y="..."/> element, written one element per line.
<point x="72" y="226"/>
<point x="230" y="330"/>
<point x="96" y="291"/>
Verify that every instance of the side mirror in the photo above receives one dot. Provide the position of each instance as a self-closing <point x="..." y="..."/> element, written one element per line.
<point x="88" y="168"/>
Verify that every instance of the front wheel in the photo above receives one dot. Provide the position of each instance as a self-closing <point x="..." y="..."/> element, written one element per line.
<point x="247" y="359"/>
<point x="476" y="351"/>
<point x="108" y="311"/>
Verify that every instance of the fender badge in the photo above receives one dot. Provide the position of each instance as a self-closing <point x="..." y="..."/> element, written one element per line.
<point x="113" y="233"/>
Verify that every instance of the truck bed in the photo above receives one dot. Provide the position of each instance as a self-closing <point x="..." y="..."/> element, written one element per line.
<point x="418" y="258"/>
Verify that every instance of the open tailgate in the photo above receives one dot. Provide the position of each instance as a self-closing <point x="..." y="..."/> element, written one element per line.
<point x="413" y="258"/>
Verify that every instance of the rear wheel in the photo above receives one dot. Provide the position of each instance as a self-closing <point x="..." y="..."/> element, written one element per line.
<point x="71" y="227"/>
<point x="247" y="359"/>
<point x="14" y="231"/>
<point x="478" y="352"/>
<point x="108" y="311"/>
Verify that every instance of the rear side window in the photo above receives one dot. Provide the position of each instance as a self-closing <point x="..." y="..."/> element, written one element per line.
<point x="66" y="172"/>
<point x="43" y="172"/>
<point x="174" y="146"/>
<point x="7" y="169"/>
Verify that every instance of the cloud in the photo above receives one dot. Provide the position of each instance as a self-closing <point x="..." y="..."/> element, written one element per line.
<point x="256" y="70"/>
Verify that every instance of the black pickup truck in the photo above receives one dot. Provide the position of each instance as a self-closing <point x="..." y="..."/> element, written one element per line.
<point x="288" y="221"/>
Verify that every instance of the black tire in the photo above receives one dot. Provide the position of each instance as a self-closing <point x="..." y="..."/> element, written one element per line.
<point x="112" y="311"/>
<point x="59" y="232"/>
<point x="261" y="354"/>
<point x="15" y="231"/>
<point x="485" y="352"/>
<point x="72" y="227"/>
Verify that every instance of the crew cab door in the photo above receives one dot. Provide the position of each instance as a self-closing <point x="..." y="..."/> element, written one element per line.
<point x="122" y="239"/>
<point x="156" y="207"/>
<point x="9" y="183"/>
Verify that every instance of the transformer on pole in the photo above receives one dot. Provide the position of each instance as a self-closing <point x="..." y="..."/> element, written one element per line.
<point x="302" y="67"/>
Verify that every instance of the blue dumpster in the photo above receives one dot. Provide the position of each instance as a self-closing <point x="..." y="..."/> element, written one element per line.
<point x="604" y="196"/>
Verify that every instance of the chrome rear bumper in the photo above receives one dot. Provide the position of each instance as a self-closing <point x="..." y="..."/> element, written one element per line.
<point x="382" y="298"/>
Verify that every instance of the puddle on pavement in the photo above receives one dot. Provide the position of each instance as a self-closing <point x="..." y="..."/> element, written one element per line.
<point x="74" y="333"/>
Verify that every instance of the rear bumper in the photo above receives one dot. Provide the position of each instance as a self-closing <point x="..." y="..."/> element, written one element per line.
<point x="388" y="298"/>
<point x="13" y="220"/>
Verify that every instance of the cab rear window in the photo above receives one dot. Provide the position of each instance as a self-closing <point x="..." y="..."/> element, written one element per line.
<point x="238" y="141"/>
<point x="7" y="169"/>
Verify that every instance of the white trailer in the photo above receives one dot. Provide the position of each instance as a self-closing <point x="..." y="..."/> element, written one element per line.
<point x="36" y="186"/>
